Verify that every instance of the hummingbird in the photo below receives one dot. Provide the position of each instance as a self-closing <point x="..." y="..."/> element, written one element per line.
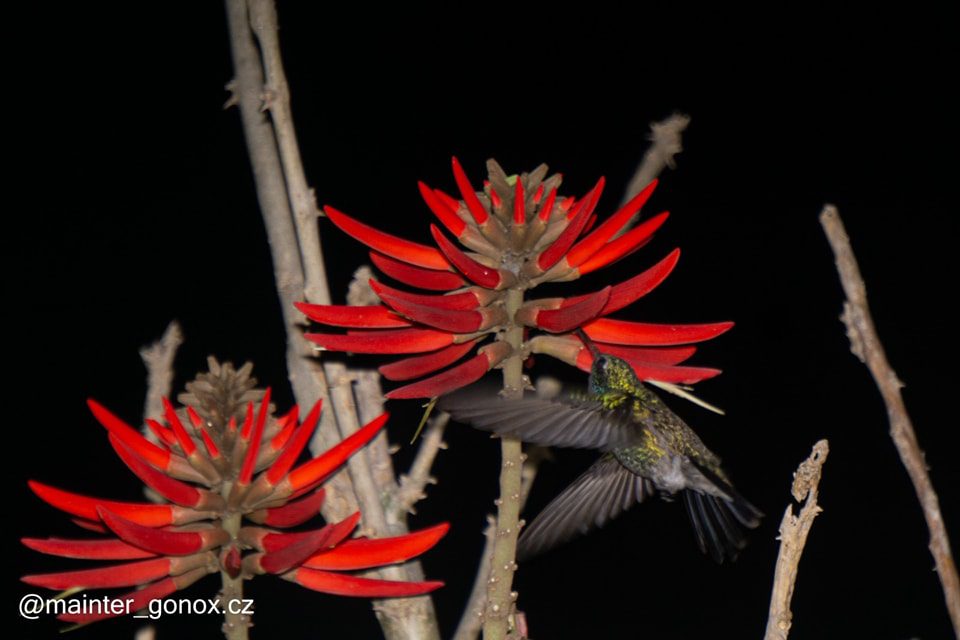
<point x="647" y="450"/>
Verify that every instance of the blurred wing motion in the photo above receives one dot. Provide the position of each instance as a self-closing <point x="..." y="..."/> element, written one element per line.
<point x="578" y="422"/>
<point x="602" y="493"/>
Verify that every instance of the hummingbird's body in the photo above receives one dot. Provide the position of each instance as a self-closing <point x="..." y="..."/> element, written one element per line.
<point x="647" y="449"/>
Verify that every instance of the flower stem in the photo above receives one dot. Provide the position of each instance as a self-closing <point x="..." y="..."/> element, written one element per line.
<point x="500" y="597"/>
<point x="235" y="625"/>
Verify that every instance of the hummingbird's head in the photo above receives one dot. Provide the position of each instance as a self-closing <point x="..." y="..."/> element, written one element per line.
<point x="609" y="373"/>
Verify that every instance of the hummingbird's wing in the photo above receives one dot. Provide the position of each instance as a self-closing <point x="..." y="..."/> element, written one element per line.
<point x="575" y="421"/>
<point x="599" y="495"/>
<point x="718" y="520"/>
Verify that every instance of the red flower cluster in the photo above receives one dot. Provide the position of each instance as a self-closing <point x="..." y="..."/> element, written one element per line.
<point x="518" y="234"/>
<point x="208" y="476"/>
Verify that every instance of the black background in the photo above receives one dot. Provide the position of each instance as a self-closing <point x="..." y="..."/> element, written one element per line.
<point x="139" y="208"/>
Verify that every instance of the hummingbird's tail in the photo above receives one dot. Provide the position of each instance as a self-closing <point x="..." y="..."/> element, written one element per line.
<point x="719" y="521"/>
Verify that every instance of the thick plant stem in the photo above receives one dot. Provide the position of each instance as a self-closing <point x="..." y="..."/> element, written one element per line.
<point x="500" y="596"/>
<point x="235" y="625"/>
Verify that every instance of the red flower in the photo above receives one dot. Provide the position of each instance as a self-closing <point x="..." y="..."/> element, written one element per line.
<point x="519" y="233"/>
<point x="205" y="468"/>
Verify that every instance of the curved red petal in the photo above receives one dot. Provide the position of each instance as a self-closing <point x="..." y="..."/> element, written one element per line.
<point x="294" y="448"/>
<point x="150" y="452"/>
<point x="654" y="371"/>
<point x="569" y="317"/>
<point x="647" y="334"/>
<point x="589" y="245"/>
<point x="447" y="215"/>
<point x="250" y="458"/>
<point x="430" y="279"/>
<point x="386" y="341"/>
<point x="477" y="273"/>
<point x="411" y="252"/>
<point x="464" y="301"/>
<point x="291" y="514"/>
<point x="469" y="196"/>
<point x="347" y="585"/>
<point x="559" y="247"/>
<point x="455" y="377"/>
<point x="108" y="549"/>
<point x="183" y="438"/>
<point x="417" y="366"/>
<point x="173" y="490"/>
<point x="118" y="575"/>
<point x="146" y="513"/>
<point x="616" y="249"/>
<point x="163" y="541"/>
<point x="362" y="317"/>
<point x="140" y="598"/>
<point x="328" y="462"/>
<point x="362" y="553"/>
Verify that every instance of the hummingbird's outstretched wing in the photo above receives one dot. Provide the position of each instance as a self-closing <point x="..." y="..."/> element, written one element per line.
<point x="573" y="421"/>
<point x="599" y="495"/>
<point x="718" y="521"/>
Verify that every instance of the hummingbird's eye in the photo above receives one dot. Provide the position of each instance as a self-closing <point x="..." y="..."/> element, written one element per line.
<point x="602" y="362"/>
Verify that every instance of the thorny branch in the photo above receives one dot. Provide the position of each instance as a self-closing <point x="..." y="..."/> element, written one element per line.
<point x="866" y="345"/>
<point x="793" y="536"/>
<point x="290" y="214"/>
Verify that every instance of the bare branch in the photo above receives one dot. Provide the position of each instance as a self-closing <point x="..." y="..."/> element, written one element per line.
<point x="158" y="359"/>
<point x="305" y="375"/>
<point x="793" y="536"/>
<point x="667" y="142"/>
<point x="866" y="345"/>
<point x="412" y="485"/>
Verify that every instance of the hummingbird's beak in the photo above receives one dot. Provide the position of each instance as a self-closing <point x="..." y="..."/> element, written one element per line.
<point x="588" y="343"/>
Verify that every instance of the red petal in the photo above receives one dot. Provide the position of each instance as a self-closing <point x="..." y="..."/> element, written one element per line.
<point x="469" y="196"/>
<point x="386" y="341"/>
<point x="186" y="442"/>
<point x="593" y="242"/>
<point x="163" y="541"/>
<point x="291" y="553"/>
<point x="323" y="465"/>
<point x="652" y="371"/>
<point x="249" y="460"/>
<point x="448" y="319"/>
<point x="110" y="549"/>
<point x="623" y="245"/>
<point x="89" y="525"/>
<point x="477" y="273"/>
<point x="411" y="252"/>
<point x="149" y="514"/>
<point x="547" y="207"/>
<point x="417" y="366"/>
<point x="648" y="355"/>
<point x="163" y="434"/>
<point x="552" y="254"/>
<point x="291" y="514"/>
<point x="456" y="377"/>
<point x="118" y="575"/>
<point x="212" y="450"/>
<point x="415" y="276"/>
<point x="446" y="214"/>
<point x="452" y="203"/>
<point x="361" y="553"/>
<point x="292" y="451"/>
<point x="129" y="436"/>
<point x="347" y="585"/>
<point x="140" y="598"/>
<point x="341" y="315"/>
<point x="173" y="490"/>
<point x="519" y="213"/>
<point x="247" y="426"/>
<point x="570" y="317"/>
<point x="641" y="333"/>
<point x="465" y="301"/>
